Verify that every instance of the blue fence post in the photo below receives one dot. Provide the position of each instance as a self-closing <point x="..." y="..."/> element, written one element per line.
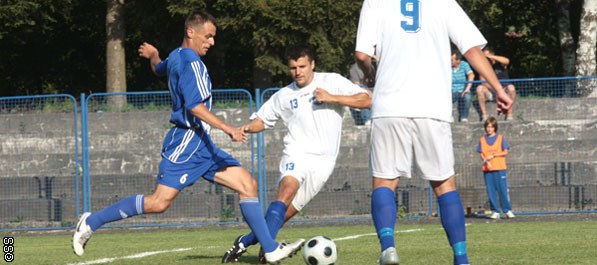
<point x="261" y="178"/>
<point x="85" y="153"/>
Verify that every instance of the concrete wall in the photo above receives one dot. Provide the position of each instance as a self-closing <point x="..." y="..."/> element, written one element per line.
<point x="124" y="157"/>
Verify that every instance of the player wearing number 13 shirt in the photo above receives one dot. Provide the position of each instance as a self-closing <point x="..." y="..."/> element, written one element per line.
<point x="311" y="108"/>
<point x="412" y="107"/>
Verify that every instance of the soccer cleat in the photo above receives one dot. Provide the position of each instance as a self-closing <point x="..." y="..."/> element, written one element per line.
<point x="510" y="214"/>
<point x="261" y="257"/>
<point x="389" y="257"/>
<point x="494" y="216"/>
<point x="82" y="234"/>
<point x="283" y="251"/>
<point x="237" y="250"/>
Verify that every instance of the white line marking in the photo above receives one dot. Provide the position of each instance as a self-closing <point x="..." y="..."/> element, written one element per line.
<point x="375" y="234"/>
<point x="135" y="256"/>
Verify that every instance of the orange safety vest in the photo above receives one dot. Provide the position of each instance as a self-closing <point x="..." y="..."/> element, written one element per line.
<point x="498" y="162"/>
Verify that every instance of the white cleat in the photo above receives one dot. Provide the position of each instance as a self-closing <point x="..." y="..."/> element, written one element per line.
<point x="510" y="214"/>
<point x="82" y="234"/>
<point x="494" y="216"/>
<point x="389" y="257"/>
<point x="283" y="251"/>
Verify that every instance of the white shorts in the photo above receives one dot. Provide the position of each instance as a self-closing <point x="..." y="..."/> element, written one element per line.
<point x="312" y="172"/>
<point x="394" y="141"/>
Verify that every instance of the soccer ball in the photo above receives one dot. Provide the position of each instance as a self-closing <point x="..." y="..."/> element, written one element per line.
<point x="320" y="250"/>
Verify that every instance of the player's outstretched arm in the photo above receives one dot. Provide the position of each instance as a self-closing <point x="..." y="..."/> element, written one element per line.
<point x="202" y="112"/>
<point x="359" y="100"/>
<point x="254" y="126"/>
<point x="150" y="52"/>
<point x="478" y="61"/>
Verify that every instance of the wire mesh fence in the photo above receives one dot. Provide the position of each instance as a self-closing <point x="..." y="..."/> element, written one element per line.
<point x="46" y="179"/>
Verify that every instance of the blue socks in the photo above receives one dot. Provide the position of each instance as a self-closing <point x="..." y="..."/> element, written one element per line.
<point x="452" y="218"/>
<point x="274" y="218"/>
<point x="383" y="210"/>
<point x="254" y="216"/>
<point x="127" y="207"/>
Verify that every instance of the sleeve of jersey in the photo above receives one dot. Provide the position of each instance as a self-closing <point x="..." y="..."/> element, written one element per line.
<point x="161" y="69"/>
<point x="193" y="84"/>
<point x="505" y="144"/>
<point x="467" y="68"/>
<point x="367" y="30"/>
<point x="268" y="113"/>
<point x="345" y="87"/>
<point x="462" y="31"/>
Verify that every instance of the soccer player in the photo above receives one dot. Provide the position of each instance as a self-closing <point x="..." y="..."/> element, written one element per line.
<point x="412" y="108"/>
<point x="311" y="108"/>
<point x="188" y="152"/>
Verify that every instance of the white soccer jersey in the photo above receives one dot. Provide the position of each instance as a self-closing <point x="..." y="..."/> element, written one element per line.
<point x="413" y="77"/>
<point x="312" y="128"/>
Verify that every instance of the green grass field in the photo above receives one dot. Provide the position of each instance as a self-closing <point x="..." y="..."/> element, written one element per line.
<point x="502" y="242"/>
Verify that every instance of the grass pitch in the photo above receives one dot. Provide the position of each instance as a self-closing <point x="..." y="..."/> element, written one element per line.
<point x="489" y="242"/>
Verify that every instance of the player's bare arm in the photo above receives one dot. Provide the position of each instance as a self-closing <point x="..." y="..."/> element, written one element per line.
<point x="478" y="61"/>
<point x="148" y="51"/>
<point x="359" y="100"/>
<point x="365" y="63"/>
<point x="254" y="126"/>
<point x="200" y="111"/>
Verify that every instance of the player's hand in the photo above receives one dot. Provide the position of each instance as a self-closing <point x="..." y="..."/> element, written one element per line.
<point x="236" y="135"/>
<point x="321" y="95"/>
<point x="504" y="102"/>
<point x="147" y="50"/>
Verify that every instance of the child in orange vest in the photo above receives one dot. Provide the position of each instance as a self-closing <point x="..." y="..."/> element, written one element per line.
<point x="493" y="149"/>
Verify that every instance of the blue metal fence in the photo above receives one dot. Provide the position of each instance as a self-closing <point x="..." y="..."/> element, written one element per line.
<point x="552" y="167"/>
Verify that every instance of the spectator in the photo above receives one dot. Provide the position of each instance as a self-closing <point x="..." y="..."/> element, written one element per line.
<point x="493" y="149"/>
<point x="360" y="116"/>
<point x="462" y="76"/>
<point x="500" y="67"/>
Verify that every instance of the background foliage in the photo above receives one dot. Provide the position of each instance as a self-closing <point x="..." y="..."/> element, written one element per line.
<point x="58" y="46"/>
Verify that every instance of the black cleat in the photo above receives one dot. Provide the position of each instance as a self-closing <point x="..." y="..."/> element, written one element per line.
<point x="237" y="250"/>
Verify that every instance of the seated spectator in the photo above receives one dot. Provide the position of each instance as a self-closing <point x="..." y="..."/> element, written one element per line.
<point x="500" y="66"/>
<point x="360" y="116"/>
<point x="461" y="90"/>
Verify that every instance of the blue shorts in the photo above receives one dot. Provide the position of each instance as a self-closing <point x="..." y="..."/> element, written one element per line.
<point x="204" y="163"/>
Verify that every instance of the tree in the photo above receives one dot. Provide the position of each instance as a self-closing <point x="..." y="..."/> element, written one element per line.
<point x="586" y="63"/>
<point x="115" y="60"/>
<point x="265" y="28"/>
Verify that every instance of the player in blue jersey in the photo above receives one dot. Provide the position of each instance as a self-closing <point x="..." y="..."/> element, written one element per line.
<point x="188" y="152"/>
<point x="412" y="108"/>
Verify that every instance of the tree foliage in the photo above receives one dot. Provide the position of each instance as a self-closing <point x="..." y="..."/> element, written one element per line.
<point x="58" y="46"/>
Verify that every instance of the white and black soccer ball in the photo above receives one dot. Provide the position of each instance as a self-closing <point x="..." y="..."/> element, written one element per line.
<point x="320" y="250"/>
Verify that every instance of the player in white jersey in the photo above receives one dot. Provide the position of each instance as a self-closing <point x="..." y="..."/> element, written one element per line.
<point x="311" y="108"/>
<point x="411" y="106"/>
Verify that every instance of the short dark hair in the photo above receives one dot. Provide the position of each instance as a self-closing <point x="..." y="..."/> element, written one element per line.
<point x="295" y="52"/>
<point x="457" y="54"/>
<point x="198" y="18"/>
<point x="493" y="121"/>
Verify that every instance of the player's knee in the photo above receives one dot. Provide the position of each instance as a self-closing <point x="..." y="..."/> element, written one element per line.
<point x="157" y="206"/>
<point x="248" y="188"/>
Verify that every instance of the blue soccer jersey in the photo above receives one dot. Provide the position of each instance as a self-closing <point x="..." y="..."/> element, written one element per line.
<point x="189" y="85"/>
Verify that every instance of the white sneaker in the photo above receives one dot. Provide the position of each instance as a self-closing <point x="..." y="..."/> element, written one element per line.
<point x="389" y="257"/>
<point x="494" y="216"/>
<point x="283" y="251"/>
<point x="464" y="120"/>
<point x="82" y="234"/>
<point x="510" y="214"/>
